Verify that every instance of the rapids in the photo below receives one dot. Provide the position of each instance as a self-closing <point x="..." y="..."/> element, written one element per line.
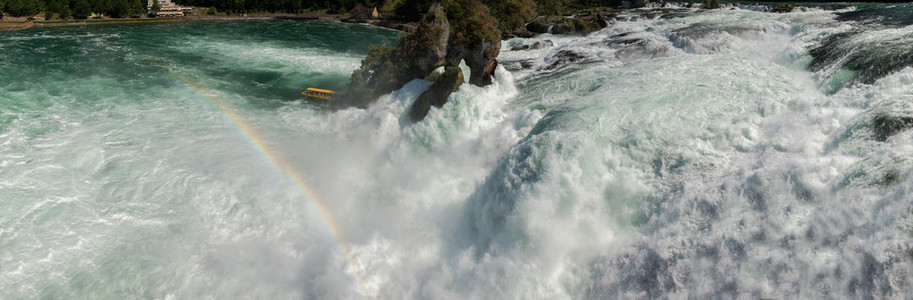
<point x="699" y="154"/>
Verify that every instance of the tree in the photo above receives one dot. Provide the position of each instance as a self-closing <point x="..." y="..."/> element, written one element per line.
<point x="156" y="7"/>
<point x="512" y="14"/>
<point x="98" y="6"/>
<point x="550" y="7"/>
<point x="59" y="7"/>
<point x="136" y="8"/>
<point x="22" y="8"/>
<point x="81" y="9"/>
<point x="117" y="8"/>
<point x="412" y="10"/>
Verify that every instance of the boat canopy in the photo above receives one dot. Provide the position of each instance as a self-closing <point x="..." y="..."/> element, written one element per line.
<point x="318" y="93"/>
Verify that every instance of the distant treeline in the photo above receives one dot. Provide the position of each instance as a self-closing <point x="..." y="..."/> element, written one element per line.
<point x="510" y="13"/>
<point x="287" y="6"/>
<point x="79" y="9"/>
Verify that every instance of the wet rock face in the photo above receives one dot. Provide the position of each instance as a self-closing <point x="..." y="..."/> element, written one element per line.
<point x="564" y="57"/>
<point x="887" y="125"/>
<point x="541" y="44"/>
<point x="868" y="57"/>
<point x="537" y="26"/>
<point x="534" y="46"/>
<point x="577" y="25"/>
<point x="437" y="94"/>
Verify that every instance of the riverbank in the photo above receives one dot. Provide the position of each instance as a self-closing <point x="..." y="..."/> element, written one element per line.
<point x="12" y="24"/>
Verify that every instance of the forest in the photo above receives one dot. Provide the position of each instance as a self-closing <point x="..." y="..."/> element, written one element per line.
<point x="510" y="12"/>
<point x="78" y="9"/>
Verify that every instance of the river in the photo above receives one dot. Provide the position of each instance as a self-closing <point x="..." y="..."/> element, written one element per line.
<point x="700" y="154"/>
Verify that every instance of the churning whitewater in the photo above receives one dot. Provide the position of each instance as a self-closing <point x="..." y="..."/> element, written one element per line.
<point x="728" y="153"/>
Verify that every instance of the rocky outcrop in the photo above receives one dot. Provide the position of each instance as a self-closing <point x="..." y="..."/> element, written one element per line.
<point x="420" y="51"/>
<point x="886" y="125"/>
<point x="534" y="46"/>
<point x="562" y="58"/>
<point x="426" y="47"/>
<point x="471" y="35"/>
<point x="538" y="26"/>
<point x="480" y="58"/>
<point x="581" y="24"/>
<point x="438" y="93"/>
<point x="782" y="8"/>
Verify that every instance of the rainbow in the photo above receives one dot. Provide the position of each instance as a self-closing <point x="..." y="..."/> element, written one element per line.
<point x="283" y="169"/>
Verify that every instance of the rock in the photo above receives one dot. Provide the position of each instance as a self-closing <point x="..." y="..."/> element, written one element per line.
<point x="541" y="44"/>
<point x="537" y="26"/>
<point x="471" y="36"/>
<point x="585" y="25"/>
<point x="480" y="59"/>
<point x="601" y="21"/>
<point x="562" y="28"/>
<point x="710" y="4"/>
<point x="520" y="48"/>
<point x="782" y="8"/>
<point x="426" y="47"/>
<point x="523" y="33"/>
<point x="385" y="69"/>
<point x="534" y="46"/>
<point x="564" y="57"/>
<point x="526" y="64"/>
<point x="437" y="94"/>
<point x="886" y="125"/>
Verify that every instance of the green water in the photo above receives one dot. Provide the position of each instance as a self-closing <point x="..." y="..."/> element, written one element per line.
<point x="266" y="62"/>
<point x="112" y="161"/>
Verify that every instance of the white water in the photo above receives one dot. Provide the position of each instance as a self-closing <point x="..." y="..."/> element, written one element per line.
<point x="686" y="165"/>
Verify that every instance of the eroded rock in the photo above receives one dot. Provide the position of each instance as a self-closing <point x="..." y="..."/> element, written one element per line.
<point x="438" y="93"/>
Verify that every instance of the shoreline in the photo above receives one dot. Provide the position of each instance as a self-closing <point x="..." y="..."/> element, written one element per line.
<point x="15" y="25"/>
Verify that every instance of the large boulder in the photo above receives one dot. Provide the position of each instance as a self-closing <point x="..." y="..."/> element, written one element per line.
<point x="540" y="25"/>
<point x="438" y="93"/>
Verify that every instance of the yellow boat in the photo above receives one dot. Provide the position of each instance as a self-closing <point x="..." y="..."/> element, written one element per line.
<point x="318" y="93"/>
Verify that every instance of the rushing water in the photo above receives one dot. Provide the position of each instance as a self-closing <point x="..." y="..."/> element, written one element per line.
<point x="719" y="154"/>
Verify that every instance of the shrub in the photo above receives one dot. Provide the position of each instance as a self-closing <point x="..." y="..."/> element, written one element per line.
<point x="377" y="75"/>
<point x="22" y="8"/>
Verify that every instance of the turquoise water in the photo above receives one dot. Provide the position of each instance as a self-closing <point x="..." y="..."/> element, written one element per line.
<point x="719" y="154"/>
